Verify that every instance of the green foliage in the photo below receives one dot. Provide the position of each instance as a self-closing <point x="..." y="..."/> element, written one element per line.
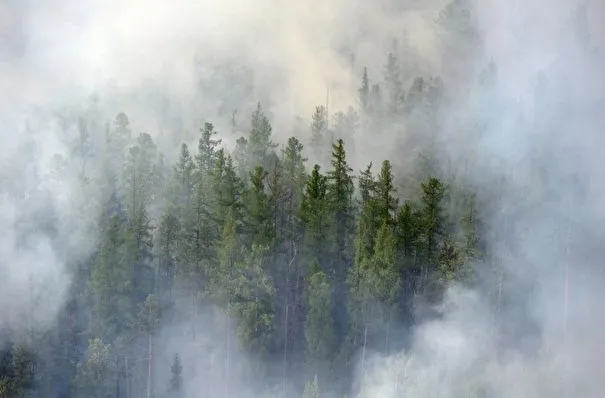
<point x="386" y="198"/>
<point x="149" y="315"/>
<point x="364" y="90"/>
<point x="314" y="214"/>
<point x="339" y="195"/>
<point x="319" y="130"/>
<point x="252" y="300"/>
<point x="432" y="217"/>
<point x="17" y="371"/>
<point x="208" y="148"/>
<point x="310" y="266"/>
<point x="394" y="84"/>
<point x="259" y="216"/>
<point x="311" y="389"/>
<point x="319" y="324"/>
<point x="260" y="144"/>
<point x="111" y="283"/>
<point x="228" y="189"/>
<point x="93" y="378"/>
<point x="176" y="379"/>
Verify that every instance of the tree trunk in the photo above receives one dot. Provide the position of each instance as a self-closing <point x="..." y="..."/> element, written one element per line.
<point x="228" y="355"/>
<point x="194" y="317"/>
<point x="149" y="365"/>
<point x="127" y="374"/>
<point x="363" y="352"/>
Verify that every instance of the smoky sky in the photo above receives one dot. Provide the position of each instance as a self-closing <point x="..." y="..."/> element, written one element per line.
<point x="169" y="63"/>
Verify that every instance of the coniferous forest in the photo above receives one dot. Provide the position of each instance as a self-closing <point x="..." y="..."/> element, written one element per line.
<point x="247" y="263"/>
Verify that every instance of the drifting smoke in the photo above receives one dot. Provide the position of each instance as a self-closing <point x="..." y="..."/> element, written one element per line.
<point x="540" y="146"/>
<point x="163" y="62"/>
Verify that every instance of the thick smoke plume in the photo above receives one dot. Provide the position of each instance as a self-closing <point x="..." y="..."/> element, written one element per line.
<point x="536" y="156"/>
<point x="539" y="147"/>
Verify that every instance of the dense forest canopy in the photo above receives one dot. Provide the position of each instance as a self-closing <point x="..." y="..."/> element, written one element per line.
<point x="339" y="199"/>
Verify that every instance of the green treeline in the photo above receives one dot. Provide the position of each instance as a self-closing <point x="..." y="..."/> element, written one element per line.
<point x="316" y="267"/>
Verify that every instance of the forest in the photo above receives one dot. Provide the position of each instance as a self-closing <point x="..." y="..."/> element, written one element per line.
<point x="310" y="266"/>
<point x="272" y="266"/>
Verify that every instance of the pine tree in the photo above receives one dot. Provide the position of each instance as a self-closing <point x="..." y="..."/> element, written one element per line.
<point x="319" y="324"/>
<point x="169" y="231"/>
<point x="228" y="190"/>
<point x="241" y="158"/>
<point x="18" y="366"/>
<point x="386" y="199"/>
<point x="394" y="85"/>
<point x="253" y="301"/>
<point x="295" y="180"/>
<point x="432" y="227"/>
<point x="367" y="219"/>
<point x="346" y="124"/>
<point x="259" y="141"/>
<point x="94" y="373"/>
<point x="176" y="379"/>
<point x="319" y="127"/>
<point x="407" y="233"/>
<point x="257" y="206"/>
<point x="314" y="213"/>
<point x="364" y="90"/>
<point x="319" y="134"/>
<point x="148" y="320"/>
<point x="339" y="198"/>
<point x="433" y="219"/>
<point x="184" y="172"/>
<point x="311" y="389"/>
<point x="118" y="140"/>
<point x="208" y="148"/>
<point x="374" y="285"/>
<point x="110" y="283"/>
<point x="339" y="194"/>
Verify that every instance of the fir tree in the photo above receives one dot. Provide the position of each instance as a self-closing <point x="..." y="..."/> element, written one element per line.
<point x="176" y="379"/>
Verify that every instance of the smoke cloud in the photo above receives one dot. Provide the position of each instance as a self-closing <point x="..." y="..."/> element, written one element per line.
<point x="540" y="123"/>
<point x="171" y="63"/>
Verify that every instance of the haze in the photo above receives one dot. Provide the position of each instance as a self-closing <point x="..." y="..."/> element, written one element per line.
<point x="507" y="118"/>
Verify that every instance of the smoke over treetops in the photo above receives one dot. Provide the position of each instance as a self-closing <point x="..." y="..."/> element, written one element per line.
<point x="133" y="265"/>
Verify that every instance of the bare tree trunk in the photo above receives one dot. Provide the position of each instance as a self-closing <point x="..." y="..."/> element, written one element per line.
<point x="228" y="356"/>
<point x="127" y="374"/>
<point x="388" y="327"/>
<point x="363" y="351"/>
<point x="149" y="365"/>
<point x="286" y="325"/>
<point x="285" y="365"/>
<point x="194" y="313"/>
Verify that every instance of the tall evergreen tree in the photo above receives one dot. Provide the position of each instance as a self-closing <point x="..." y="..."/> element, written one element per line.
<point x="364" y="90"/>
<point x="319" y="324"/>
<point x="339" y="194"/>
<point x="319" y="133"/>
<point x="176" y="380"/>
<point x="314" y="213"/>
<point x="260" y="144"/>
<point x="259" y="217"/>
<point x="386" y="199"/>
<point x="394" y="85"/>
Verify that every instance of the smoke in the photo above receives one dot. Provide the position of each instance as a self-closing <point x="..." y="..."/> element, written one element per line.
<point x="533" y="329"/>
<point x="171" y="64"/>
<point x="60" y="51"/>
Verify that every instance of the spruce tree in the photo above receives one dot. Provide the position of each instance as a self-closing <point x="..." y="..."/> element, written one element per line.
<point x="260" y="144"/>
<point x="319" y="323"/>
<point x="364" y="90"/>
<point x="314" y="214"/>
<point x="176" y="379"/>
